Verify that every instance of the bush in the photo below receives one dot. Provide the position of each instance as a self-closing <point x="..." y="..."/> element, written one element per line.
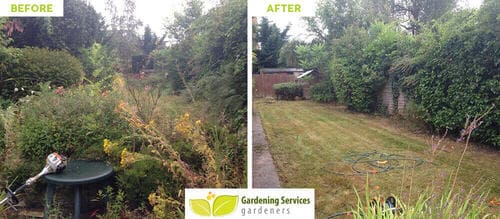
<point x="142" y="178"/>
<point x="361" y="62"/>
<point x="72" y="122"/>
<point x="32" y="66"/>
<point x="288" y="91"/>
<point x="100" y="64"/>
<point x="322" y="92"/>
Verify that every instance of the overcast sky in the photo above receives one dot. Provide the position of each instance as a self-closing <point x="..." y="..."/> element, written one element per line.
<point x="157" y="12"/>
<point x="153" y="12"/>
<point x="298" y="27"/>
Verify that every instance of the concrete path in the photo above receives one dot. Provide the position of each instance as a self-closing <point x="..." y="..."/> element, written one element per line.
<point x="264" y="172"/>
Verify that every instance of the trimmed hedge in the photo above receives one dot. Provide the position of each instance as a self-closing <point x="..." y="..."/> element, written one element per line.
<point x="457" y="73"/>
<point x="288" y="91"/>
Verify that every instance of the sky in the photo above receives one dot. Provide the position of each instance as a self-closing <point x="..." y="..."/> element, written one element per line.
<point x="152" y="12"/>
<point x="156" y="13"/>
<point x="298" y="26"/>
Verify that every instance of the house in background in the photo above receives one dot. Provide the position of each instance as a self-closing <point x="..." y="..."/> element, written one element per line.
<point x="267" y="77"/>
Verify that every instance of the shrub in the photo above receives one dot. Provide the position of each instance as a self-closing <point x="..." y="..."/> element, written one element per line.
<point x="72" y="122"/>
<point x="361" y="62"/>
<point x="32" y="66"/>
<point x="100" y="64"/>
<point x="141" y="178"/>
<point x="322" y="92"/>
<point x="288" y="91"/>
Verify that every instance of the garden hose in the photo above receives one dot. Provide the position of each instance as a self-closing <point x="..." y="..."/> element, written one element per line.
<point x="377" y="162"/>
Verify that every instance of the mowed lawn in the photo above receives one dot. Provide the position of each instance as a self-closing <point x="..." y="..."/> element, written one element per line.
<point x="309" y="142"/>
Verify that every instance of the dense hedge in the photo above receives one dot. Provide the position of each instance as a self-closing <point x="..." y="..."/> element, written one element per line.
<point x="28" y="67"/>
<point x="322" y="92"/>
<point x="288" y="91"/>
<point x="457" y="72"/>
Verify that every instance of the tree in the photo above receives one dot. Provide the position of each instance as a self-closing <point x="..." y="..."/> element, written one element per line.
<point x="80" y="27"/>
<point x="271" y="39"/>
<point x="180" y="29"/>
<point x="122" y="36"/>
<point x="313" y="56"/>
<point x="332" y="18"/>
<point x="416" y="12"/>
<point x="288" y="55"/>
<point x="179" y="57"/>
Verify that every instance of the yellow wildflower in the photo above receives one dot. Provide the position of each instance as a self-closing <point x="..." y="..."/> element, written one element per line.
<point x="105" y="146"/>
<point x="183" y="125"/>
<point x="198" y="122"/>
<point x="126" y="158"/>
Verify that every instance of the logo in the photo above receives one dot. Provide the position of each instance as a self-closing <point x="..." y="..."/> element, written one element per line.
<point x="220" y="206"/>
<point x="249" y="203"/>
<point x="31" y="8"/>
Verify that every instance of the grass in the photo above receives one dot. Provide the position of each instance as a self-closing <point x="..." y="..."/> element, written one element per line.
<point x="308" y="142"/>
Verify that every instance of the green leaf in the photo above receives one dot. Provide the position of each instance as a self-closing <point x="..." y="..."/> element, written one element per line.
<point x="224" y="205"/>
<point x="200" y="207"/>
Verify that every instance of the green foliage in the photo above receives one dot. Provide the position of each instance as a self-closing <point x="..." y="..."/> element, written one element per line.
<point x="180" y="29"/>
<point x="115" y="203"/>
<point x="271" y="40"/>
<point x="288" y="91"/>
<point x="431" y="203"/>
<point x="288" y="56"/>
<point x="313" y="56"/>
<point x="417" y="13"/>
<point x="166" y="61"/>
<point x="230" y="151"/>
<point x="215" y="62"/>
<point x="72" y="122"/>
<point x="333" y="18"/>
<point x="141" y="178"/>
<point x="362" y="59"/>
<point x="2" y="133"/>
<point x="457" y="72"/>
<point x="32" y="66"/>
<point x="322" y="92"/>
<point x="80" y="27"/>
<point x="100" y="64"/>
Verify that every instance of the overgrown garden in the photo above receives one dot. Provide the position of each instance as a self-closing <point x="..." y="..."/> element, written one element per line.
<point x="168" y="112"/>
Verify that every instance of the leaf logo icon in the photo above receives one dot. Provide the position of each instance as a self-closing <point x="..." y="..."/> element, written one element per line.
<point x="224" y="205"/>
<point x="200" y="207"/>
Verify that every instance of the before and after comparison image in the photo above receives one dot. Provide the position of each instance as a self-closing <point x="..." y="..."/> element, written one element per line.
<point x="275" y="109"/>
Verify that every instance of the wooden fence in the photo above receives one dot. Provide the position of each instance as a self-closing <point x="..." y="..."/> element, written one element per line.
<point x="263" y="83"/>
